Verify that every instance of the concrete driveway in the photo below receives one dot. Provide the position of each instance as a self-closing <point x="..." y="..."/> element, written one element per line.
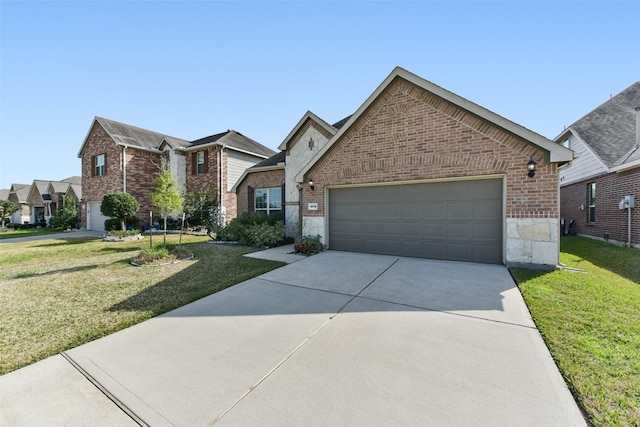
<point x="334" y="339"/>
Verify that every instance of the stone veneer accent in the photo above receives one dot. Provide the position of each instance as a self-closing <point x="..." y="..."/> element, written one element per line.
<point x="409" y="134"/>
<point x="532" y="241"/>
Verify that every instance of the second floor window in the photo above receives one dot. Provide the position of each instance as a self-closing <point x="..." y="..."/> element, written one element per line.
<point x="99" y="162"/>
<point x="200" y="162"/>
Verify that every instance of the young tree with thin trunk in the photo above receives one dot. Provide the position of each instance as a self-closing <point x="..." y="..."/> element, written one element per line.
<point x="167" y="197"/>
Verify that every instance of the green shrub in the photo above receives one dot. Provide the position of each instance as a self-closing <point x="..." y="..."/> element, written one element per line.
<point x="308" y="245"/>
<point x="119" y="205"/>
<point x="253" y="229"/>
<point x="66" y="217"/>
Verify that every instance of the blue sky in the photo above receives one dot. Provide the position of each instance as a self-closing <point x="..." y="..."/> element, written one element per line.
<point x="192" y="69"/>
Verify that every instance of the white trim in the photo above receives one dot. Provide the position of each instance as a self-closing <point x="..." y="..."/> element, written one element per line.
<point x="557" y="153"/>
<point x="626" y="166"/>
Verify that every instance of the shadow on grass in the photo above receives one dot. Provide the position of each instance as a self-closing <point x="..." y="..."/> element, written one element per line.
<point x="624" y="262"/>
<point x="25" y="275"/>
<point x="65" y="241"/>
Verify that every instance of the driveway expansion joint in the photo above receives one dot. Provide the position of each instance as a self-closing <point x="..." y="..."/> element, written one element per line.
<point x="124" y="408"/>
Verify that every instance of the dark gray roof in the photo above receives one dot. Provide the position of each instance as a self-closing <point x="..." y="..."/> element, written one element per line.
<point x="271" y="161"/>
<point x="610" y="129"/>
<point x="234" y="139"/>
<point x="341" y="123"/>
<point x="133" y="136"/>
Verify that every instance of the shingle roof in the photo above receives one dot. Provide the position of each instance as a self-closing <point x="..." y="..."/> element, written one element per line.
<point x="59" y="186"/>
<point x="21" y="191"/>
<point x="124" y="134"/>
<point x="341" y="123"/>
<point x="133" y="136"/>
<point x="73" y="180"/>
<point x="234" y="139"/>
<point x="610" y="129"/>
<point x="271" y="161"/>
<point x="4" y="194"/>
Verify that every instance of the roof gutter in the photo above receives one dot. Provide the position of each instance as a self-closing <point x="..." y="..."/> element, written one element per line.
<point x="213" y="144"/>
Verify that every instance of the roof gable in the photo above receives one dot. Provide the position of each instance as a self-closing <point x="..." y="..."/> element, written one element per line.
<point x="610" y="129"/>
<point x="307" y="116"/>
<point x="556" y="152"/>
<point x="234" y="140"/>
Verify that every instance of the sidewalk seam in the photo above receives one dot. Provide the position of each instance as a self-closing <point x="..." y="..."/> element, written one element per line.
<point x="124" y="408"/>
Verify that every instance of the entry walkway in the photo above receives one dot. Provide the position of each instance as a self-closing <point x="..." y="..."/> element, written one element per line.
<point x="338" y="338"/>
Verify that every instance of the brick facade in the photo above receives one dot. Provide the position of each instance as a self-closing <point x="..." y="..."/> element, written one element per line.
<point x="142" y="169"/>
<point x="611" y="222"/>
<point x="410" y="134"/>
<point x="259" y="179"/>
<point x="215" y="156"/>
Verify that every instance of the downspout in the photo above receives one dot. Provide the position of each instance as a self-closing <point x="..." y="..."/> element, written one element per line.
<point x="124" y="168"/>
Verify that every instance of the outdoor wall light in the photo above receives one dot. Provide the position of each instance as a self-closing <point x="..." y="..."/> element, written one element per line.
<point x="311" y="184"/>
<point x="532" y="168"/>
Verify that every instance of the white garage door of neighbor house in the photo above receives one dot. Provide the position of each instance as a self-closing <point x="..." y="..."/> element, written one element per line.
<point x="451" y="220"/>
<point x="96" y="219"/>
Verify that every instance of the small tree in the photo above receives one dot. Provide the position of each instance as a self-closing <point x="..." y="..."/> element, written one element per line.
<point x="7" y="208"/>
<point x="67" y="216"/>
<point x="201" y="208"/>
<point x="167" y="197"/>
<point x="119" y="205"/>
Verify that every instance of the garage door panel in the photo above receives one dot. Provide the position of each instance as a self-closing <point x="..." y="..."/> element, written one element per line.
<point x="460" y="220"/>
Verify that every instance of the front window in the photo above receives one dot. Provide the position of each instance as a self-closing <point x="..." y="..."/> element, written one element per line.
<point x="591" y="215"/>
<point x="200" y="161"/>
<point x="269" y="201"/>
<point x="99" y="165"/>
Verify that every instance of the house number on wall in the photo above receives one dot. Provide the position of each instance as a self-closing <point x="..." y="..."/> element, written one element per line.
<point x="313" y="206"/>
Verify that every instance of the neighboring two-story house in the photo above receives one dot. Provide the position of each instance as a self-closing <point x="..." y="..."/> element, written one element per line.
<point x="120" y="157"/>
<point x="417" y="171"/>
<point x="606" y="143"/>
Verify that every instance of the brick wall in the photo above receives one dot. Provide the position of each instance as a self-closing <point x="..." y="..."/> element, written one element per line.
<point x="611" y="222"/>
<point x="410" y="134"/>
<point x="142" y="169"/>
<point x="266" y="179"/>
<point x="211" y="180"/>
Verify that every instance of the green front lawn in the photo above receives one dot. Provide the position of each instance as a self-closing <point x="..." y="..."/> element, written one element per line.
<point x="59" y="293"/>
<point x="591" y="324"/>
<point x="10" y="233"/>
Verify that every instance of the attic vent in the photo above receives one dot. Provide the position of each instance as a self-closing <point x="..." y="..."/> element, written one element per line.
<point x="311" y="143"/>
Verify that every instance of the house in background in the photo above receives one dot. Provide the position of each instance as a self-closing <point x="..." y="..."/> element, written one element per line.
<point x="419" y="171"/>
<point x="606" y="142"/>
<point x="120" y="157"/>
<point x="18" y="194"/>
<point x="45" y="197"/>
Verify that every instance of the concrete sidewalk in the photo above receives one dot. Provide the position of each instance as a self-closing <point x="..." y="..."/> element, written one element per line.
<point x="333" y="339"/>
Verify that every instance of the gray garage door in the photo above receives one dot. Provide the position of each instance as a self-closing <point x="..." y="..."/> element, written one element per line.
<point x="459" y="220"/>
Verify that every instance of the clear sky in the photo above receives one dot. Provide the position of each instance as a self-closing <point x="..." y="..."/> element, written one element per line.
<point x="193" y="69"/>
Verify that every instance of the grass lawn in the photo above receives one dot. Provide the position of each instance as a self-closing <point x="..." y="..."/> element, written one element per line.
<point x="59" y="293"/>
<point x="591" y="324"/>
<point x="9" y="233"/>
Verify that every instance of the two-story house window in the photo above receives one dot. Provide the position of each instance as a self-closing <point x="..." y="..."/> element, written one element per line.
<point x="591" y="214"/>
<point x="99" y="165"/>
<point x="199" y="160"/>
<point x="269" y="201"/>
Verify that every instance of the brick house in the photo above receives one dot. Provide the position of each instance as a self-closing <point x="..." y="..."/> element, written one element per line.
<point x="606" y="169"/>
<point x="419" y="171"/>
<point x="18" y="194"/>
<point x="45" y="197"/>
<point x="120" y="157"/>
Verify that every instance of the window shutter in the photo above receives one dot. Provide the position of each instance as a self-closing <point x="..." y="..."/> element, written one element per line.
<point x="206" y="161"/>
<point x="250" y="199"/>
<point x="93" y="165"/>
<point x="104" y="168"/>
<point x="194" y="163"/>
